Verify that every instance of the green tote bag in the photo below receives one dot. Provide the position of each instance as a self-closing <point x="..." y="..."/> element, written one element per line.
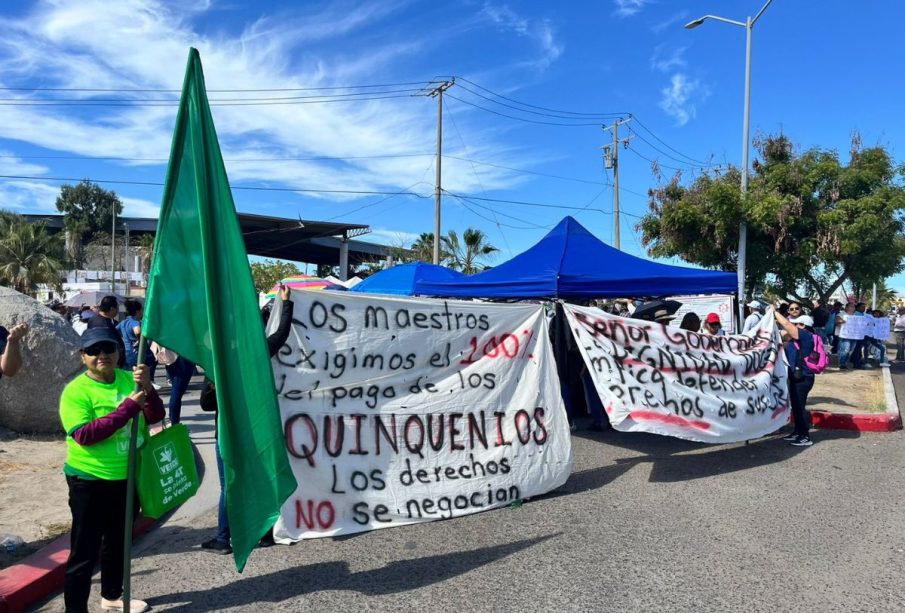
<point x="167" y="476"/>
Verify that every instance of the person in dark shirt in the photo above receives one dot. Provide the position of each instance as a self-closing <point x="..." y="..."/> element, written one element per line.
<point x="107" y="310"/>
<point x="798" y="340"/>
<point x="221" y="542"/>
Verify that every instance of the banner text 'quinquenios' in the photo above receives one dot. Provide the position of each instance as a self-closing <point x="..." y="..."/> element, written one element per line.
<point x="402" y="410"/>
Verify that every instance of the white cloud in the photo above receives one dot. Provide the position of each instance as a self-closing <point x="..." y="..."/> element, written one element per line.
<point x="60" y="42"/>
<point x="663" y="62"/>
<point x="11" y="164"/>
<point x="666" y="23"/>
<point x="137" y="207"/>
<point x="21" y="196"/>
<point x="541" y="30"/>
<point x="627" y="8"/>
<point x="676" y="99"/>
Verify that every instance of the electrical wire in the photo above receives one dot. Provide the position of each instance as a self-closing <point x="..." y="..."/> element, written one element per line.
<point x="230" y="160"/>
<point x="533" y="106"/>
<point x="664" y="143"/>
<point x="526" y="120"/>
<point x="669" y="156"/>
<point x="219" y="91"/>
<point x="125" y="103"/>
<point x="239" y="187"/>
<point x="606" y="116"/>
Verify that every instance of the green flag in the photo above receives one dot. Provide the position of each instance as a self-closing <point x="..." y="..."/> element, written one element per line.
<point x="202" y="304"/>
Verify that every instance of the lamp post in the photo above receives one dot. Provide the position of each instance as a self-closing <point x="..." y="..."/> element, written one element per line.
<point x="748" y="24"/>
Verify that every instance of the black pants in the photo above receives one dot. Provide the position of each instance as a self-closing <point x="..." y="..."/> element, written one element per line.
<point x="98" y="525"/>
<point x="798" y="396"/>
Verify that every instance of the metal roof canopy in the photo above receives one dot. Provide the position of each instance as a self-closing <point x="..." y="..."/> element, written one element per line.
<point x="299" y="240"/>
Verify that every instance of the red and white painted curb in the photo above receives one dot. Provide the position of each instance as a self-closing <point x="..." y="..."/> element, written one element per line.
<point x="864" y="422"/>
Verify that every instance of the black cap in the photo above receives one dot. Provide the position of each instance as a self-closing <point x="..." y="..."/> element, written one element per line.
<point x="92" y="336"/>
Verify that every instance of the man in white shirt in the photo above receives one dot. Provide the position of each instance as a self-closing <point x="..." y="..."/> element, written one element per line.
<point x="753" y="317"/>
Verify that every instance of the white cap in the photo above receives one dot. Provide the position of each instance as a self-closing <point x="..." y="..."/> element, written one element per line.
<point x="803" y="319"/>
<point x="754" y="304"/>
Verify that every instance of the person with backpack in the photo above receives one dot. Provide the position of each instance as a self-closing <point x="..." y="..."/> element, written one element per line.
<point x="818" y="359"/>
<point x="798" y="344"/>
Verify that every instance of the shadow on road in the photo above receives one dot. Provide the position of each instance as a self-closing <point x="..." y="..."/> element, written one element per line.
<point x="679" y="460"/>
<point x="395" y="577"/>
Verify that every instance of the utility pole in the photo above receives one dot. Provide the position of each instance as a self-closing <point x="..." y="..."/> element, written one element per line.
<point x="113" y="253"/>
<point x="438" y="92"/>
<point x="611" y="160"/>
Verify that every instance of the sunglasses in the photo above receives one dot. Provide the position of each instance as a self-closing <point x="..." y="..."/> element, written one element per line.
<point x="794" y="309"/>
<point x="96" y="349"/>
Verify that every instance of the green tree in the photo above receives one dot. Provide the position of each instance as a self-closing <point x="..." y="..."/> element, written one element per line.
<point x="29" y="254"/>
<point x="468" y="255"/>
<point x="813" y="222"/>
<point x="268" y="273"/>
<point x="422" y="250"/>
<point x="145" y="247"/>
<point x="88" y="207"/>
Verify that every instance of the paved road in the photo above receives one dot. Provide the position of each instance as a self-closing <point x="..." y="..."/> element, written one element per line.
<point x="645" y="523"/>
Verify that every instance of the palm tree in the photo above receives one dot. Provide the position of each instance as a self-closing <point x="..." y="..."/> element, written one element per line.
<point x="423" y="248"/>
<point x="75" y="231"/>
<point x="467" y="256"/>
<point x="29" y="254"/>
<point x="145" y="247"/>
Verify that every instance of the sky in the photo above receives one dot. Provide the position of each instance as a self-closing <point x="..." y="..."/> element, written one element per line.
<point x="322" y="110"/>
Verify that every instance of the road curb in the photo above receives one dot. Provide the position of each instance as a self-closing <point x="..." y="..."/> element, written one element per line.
<point x="864" y="422"/>
<point x="43" y="572"/>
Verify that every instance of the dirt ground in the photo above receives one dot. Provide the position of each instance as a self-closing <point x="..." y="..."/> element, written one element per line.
<point x="848" y="391"/>
<point x="33" y="493"/>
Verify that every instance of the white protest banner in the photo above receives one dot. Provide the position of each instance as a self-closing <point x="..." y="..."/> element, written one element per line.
<point x="704" y="305"/>
<point x="665" y="380"/>
<point x="402" y="410"/>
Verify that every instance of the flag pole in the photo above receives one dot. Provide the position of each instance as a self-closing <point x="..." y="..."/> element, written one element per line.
<point x="130" y="490"/>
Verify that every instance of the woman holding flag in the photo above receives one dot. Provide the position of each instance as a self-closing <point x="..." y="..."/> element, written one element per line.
<point x="96" y="408"/>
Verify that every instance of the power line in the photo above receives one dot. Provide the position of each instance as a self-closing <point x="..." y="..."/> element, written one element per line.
<point x="219" y="91"/>
<point x="671" y="157"/>
<point x="176" y="100"/>
<point x="230" y="160"/>
<point x="524" y="203"/>
<point x="521" y="110"/>
<point x="533" y="106"/>
<point x="660" y="165"/>
<point x="525" y="119"/>
<point x="651" y="132"/>
<point x="239" y="187"/>
<point x="126" y="103"/>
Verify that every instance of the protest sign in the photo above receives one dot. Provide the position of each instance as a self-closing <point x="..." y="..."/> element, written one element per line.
<point x="881" y="328"/>
<point x="401" y="410"/>
<point x="665" y="380"/>
<point x="702" y="305"/>
<point x="855" y="327"/>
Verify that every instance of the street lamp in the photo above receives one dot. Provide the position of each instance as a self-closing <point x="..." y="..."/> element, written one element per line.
<point x="748" y="24"/>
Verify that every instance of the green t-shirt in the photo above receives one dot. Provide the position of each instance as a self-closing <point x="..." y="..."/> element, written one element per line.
<point x="83" y="401"/>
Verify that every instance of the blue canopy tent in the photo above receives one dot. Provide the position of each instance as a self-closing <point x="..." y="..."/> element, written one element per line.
<point x="570" y="262"/>
<point x="401" y="279"/>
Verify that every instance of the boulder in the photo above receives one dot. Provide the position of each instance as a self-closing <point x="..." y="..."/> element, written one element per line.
<point x="29" y="402"/>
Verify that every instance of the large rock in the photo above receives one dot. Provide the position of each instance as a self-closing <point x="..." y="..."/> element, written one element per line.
<point x="29" y="402"/>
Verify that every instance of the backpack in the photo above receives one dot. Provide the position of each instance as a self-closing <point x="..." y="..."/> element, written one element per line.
<point x="164" y="356"/>
<point x="817" y="361"/>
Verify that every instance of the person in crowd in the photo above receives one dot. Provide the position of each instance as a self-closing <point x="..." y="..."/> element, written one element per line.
<point x="830" y="328"/>
<point x="713" y="326"/>
<point x="96" y="408"/>
<point x="107" y="310"/>
<point x="848" y="339"/>
<point x="793" y="310"/>
<point x="130" y="331"/>
<point x="798" y="341"/>
<point x="60" y="309"/>
<point x="180" y="374"/>
<point x="858" y="349"/>
<point x="875" y="344"/>
<point x="80" y="321"/>
<point x="820" y="314"/>
<point x="898" y="328"/>
<point x="753" y="316"/>
<point x="10" y="349"/>
<point x="783" y="309"/>
<point x="691" y="322"/>
<point x="221" y="542"/>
